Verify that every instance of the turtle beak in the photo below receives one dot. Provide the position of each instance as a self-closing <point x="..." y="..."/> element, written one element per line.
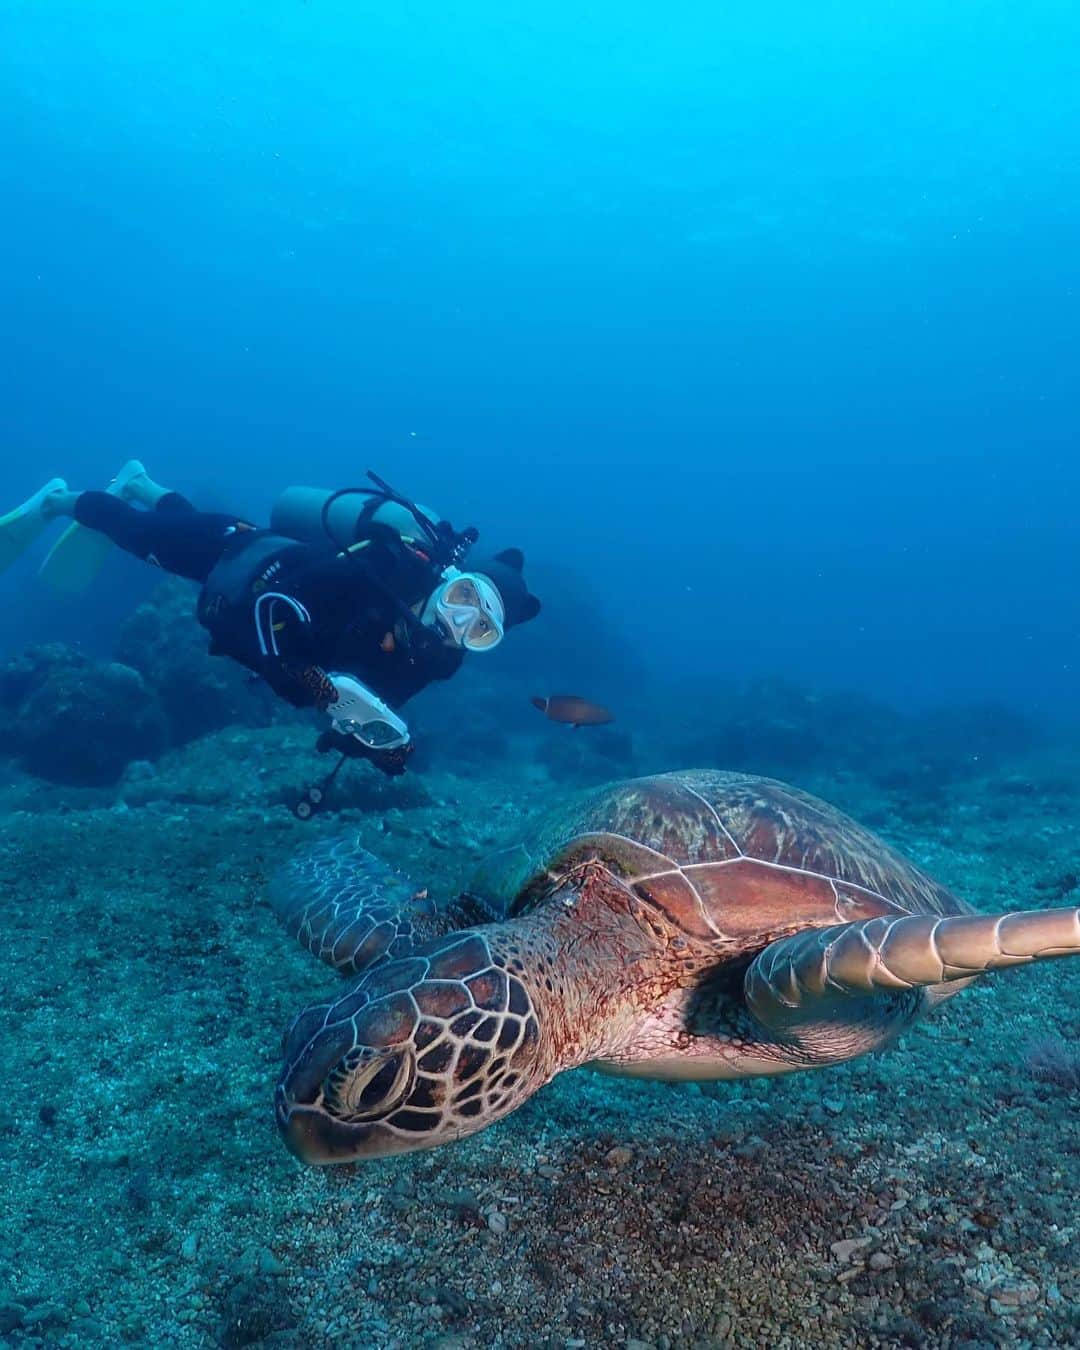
<point x="310" y="1133"/>
<point x="313" y="1136"/>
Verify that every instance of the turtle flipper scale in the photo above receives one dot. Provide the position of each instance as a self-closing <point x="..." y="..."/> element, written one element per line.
<point x="350" y="909"/>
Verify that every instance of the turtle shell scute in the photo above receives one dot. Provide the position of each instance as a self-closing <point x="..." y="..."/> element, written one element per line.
<point x="723" y="856"/>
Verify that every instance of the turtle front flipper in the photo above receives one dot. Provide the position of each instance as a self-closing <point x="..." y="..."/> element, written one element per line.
<point x="350" y="909"/>
<point x="819" y="975"/>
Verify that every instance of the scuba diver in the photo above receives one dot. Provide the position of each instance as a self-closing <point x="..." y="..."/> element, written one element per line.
<point x="350" y="602"/>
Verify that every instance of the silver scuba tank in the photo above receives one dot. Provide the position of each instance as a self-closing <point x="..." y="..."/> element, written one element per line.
<point x="301" y="513"/>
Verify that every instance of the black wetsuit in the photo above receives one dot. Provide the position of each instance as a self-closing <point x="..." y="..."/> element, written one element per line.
<point x="174" y="536"/>
<point x="323" y="611"/>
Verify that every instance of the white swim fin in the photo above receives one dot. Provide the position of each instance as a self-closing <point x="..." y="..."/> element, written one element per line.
<point x="79" y="554"/>
<point x="19" y="528"/>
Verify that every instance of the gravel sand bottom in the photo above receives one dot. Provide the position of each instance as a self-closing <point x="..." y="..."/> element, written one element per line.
<point x="927" y="1197"/>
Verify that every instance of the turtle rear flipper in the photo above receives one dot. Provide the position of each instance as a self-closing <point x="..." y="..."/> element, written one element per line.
<point x="821" y="972"/>
<point x="350" y="909"/>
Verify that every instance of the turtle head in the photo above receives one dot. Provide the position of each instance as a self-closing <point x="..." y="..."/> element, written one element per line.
<point x="421" y="1052"/>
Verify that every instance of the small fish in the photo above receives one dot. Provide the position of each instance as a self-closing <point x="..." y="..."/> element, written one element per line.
<point x="578" y="712"/>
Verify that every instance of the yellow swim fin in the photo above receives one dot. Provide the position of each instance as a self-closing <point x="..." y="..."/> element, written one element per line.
<point x="79" y="554"/>
<point x="19" y="528"/>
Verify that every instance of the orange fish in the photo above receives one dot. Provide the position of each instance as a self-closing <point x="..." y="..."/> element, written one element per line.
<point x="578" y="712"/>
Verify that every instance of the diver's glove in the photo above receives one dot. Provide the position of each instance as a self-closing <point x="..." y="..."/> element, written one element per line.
<point x="391" y="760"/>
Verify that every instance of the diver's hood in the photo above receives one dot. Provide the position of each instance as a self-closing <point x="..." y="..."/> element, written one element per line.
<point x="505" y="571"/>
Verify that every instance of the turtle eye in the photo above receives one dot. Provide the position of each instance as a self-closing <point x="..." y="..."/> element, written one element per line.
<point x="368" y="1084"/>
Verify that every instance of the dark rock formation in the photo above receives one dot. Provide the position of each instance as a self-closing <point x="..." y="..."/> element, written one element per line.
<point x="71" y="719"/>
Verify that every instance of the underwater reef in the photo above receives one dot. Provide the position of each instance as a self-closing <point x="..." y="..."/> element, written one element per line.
<point x="162" y="690"/>
<point x="75" y="720"/>
<point x="923" y="1197"/>
<point x="71" y="718"/>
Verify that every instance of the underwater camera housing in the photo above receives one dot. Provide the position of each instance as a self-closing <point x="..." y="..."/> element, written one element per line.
<point x="343" y="516"/>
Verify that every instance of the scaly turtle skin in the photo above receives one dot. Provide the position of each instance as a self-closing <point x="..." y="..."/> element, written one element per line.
<point x="692" y="925"/>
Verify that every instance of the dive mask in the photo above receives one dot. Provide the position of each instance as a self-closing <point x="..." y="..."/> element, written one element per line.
<point x="467" y="611"/>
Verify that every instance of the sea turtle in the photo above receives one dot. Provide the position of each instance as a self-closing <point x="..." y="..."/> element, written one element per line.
<point x="690" y="925"/>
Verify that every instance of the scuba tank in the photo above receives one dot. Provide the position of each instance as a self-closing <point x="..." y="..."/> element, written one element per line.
<point x="346" y="516"/>
<point x="312" y="514"/>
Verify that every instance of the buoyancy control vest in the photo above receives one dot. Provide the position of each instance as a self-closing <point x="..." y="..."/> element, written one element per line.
<point x="247" y="568"/>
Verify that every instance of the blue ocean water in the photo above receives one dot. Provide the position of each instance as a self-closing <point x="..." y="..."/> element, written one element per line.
<point x="760" y="319"/>
<point x="755" y="325"/>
